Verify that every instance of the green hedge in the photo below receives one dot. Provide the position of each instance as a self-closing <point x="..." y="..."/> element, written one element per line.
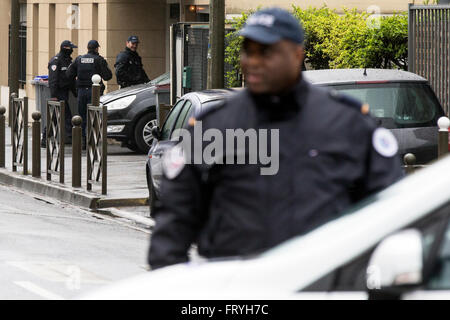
<point x="348" y="40"/>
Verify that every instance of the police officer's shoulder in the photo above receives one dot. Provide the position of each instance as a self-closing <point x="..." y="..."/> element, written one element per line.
<point x="54" y="60"/>
<point x="98" y="57"/>
<point x="122" y="57"/>
<point x="54" y="63"/>
<point x="349" y="101"/>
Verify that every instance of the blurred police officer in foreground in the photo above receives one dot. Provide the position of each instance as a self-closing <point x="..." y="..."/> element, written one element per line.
<point x="331" y="155"/>
<point x="60" y="85"/>
<point x="129" y="68"/>
<point x="84" y="67"/>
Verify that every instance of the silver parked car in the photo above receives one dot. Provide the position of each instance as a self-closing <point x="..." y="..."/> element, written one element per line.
<point x="400" y="101"/>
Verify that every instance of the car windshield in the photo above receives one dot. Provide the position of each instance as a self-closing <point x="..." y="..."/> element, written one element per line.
<point x="162" y="79"/>
<point x="170" y="121"/>
<point x="211" y="104"/>
<point x="397" y="105"/>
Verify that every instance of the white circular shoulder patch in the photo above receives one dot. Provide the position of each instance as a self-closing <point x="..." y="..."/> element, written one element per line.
<point x="54" y="67"/>
<point x="384" y="142"/>
<point x="173" y="162"/>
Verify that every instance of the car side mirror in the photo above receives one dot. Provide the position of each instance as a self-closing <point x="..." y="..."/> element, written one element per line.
<point x="156" y="132"/>
<point x="396" y="264"/>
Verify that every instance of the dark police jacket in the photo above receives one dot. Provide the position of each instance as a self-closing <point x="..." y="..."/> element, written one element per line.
<point x="85" y="66"/>
<point x="58" y="82"/>
<point x="327" y="161"/>
<point x="129" y="69"/>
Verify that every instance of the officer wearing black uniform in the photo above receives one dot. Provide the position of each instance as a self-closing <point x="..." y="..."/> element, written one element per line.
<point x="84" y="67"/>
<point x="60" y="84"/>
<point x="129" y="68"/>
<point x="330" y="155"/>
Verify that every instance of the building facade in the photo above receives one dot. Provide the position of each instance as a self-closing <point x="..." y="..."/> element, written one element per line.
<point x="49" y="22"/>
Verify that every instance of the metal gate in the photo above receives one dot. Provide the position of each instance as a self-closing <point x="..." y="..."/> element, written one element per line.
<point x="429" y="47"/>
<point x="22" y="53"/>
<point x="189" y="58"/>
<point x="196" y="56"/>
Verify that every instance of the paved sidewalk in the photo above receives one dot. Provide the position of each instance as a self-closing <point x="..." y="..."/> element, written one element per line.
<point x="127" y="186"/>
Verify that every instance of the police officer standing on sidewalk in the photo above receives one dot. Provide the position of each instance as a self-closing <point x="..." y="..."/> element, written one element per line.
<point x="129" y="68"/>
<point x="331" y="155"/>
<point x="83" y="68"/>
<point x="60" y="85"/>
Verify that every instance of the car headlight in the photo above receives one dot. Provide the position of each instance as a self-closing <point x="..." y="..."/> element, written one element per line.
<point x="115" y="128"/>
<point x="121" y="103"/>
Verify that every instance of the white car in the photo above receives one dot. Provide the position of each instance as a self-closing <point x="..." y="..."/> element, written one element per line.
<point x="395" y="244"/>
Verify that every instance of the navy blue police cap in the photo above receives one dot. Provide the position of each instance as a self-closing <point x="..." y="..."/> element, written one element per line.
<point x="133" y="39"/>
<point x="67" y="43"/>
<point x="93" y="44"/>
<point x="271" y="25"/>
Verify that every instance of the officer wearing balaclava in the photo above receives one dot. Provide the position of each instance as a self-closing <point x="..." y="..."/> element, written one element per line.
<point x="60" y="85"/>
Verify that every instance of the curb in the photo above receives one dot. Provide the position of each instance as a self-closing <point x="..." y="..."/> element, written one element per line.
<point x="121" y="202"/>
<point x="77" y="197"/>
<point x="148" y="222"/>
<point x="48" y="189"/>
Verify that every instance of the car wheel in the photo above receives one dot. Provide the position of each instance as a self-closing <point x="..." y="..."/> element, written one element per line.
<point x="143" y="132"/>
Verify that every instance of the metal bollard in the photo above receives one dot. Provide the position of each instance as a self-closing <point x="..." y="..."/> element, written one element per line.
<point x="409" y="160"/>
<point x="76" y="151"/>
<point x="36" y="145"/>
<point x="443" y="124"/>
<point x="2" y="136"/>
<point x="96" y="79"/>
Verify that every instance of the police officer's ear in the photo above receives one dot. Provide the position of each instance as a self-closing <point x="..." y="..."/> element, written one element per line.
<point x="300" y="52"/>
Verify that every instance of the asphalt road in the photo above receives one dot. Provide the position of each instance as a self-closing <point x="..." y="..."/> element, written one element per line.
<point x="55" y="251"/>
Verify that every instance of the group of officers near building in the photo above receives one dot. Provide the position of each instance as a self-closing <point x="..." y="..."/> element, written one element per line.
<point x="67" y="76"/>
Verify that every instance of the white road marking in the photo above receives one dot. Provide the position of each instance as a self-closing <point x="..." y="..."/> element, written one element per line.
<point x="149" y="222"/>
<point x="38" y="290"/>
<point x="57" y="271"/>
<point x="5" y="208"/>
<point x="40" y="215"/>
